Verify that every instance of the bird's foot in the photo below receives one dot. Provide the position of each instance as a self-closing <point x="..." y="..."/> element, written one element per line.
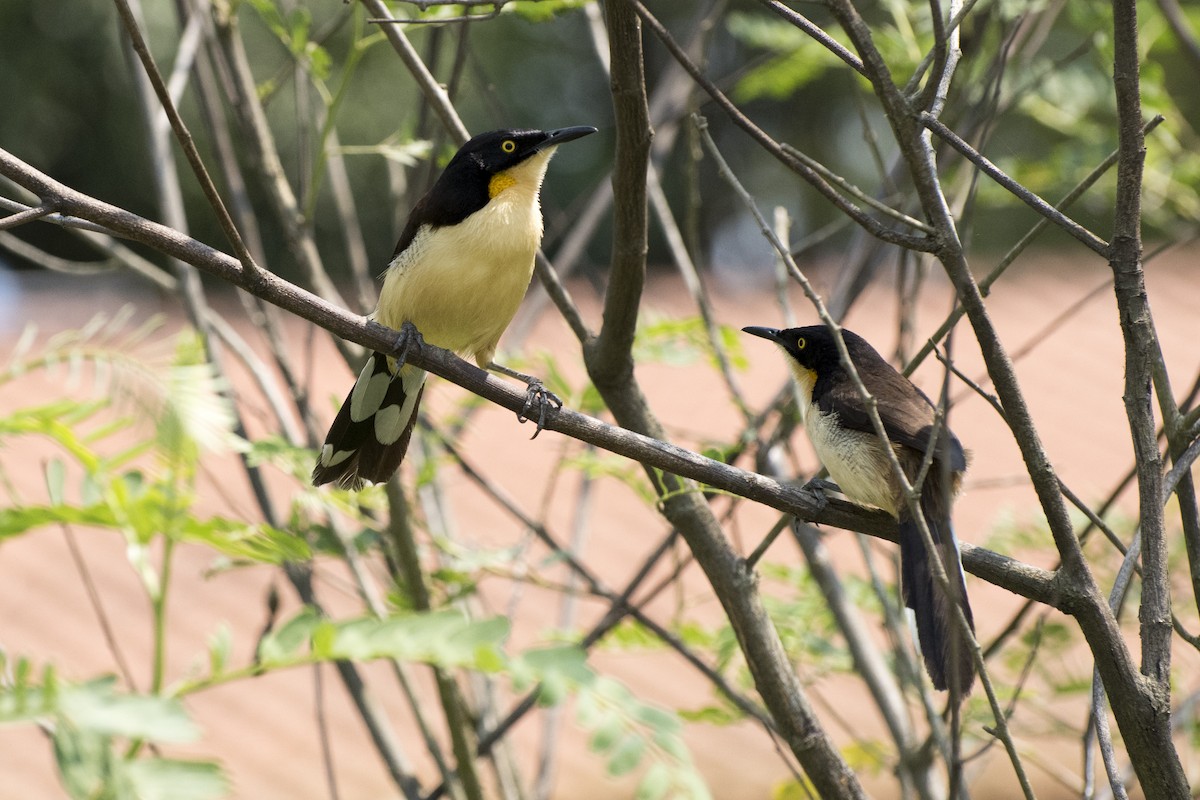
<point x="538" y="397"/>
<point x="410" y="340"/>
<point x="818" y="487"/>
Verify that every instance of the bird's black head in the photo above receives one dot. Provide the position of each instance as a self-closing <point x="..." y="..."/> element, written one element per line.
<point x="496" y="151"/>
<point x="813" y="346"/>
<point x="482" y="169"/>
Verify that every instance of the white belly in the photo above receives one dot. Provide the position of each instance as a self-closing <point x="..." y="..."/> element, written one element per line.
<point x="856" y="461"/>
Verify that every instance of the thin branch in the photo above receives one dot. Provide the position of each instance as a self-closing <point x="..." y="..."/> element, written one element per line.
<point x="1133" y="706"/>
<point x="597" y="587"/>
<point x="1009" y="573"/>
<point x="548" y="749"/>
<point x="852" y="190"/>
<point x="1089" y="239"/>
<point x="435" y="94"/>
<point x="184" y="137"/>
<point x="265" y="157"/>
<point x="608" y="355"/>
<point x="920" y="243"/>
<point x="495" y="12"/>
<point x="868" y="661"/>
<point x="28" y="215"/>
<point x="1141" y="354"/>
<point x="813" y="30"/>
<point x="106" y="628"/>
<point x="401" y="536"/>
<point x="1178" y="21"/>
<point x="985" y="285"/>
<point x="63" y="220"/>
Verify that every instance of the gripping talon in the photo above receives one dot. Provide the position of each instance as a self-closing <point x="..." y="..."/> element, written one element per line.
<point x="819" y="486"/>
<point x="540" y="397"/>
<point x="409" y="339"/>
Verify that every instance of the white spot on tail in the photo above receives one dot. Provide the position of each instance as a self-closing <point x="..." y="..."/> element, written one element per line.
<point x="391" y="421"/>
<point x="388" y="426"/>
<point x="368" y="392"/>
<point x="329" y="458"/>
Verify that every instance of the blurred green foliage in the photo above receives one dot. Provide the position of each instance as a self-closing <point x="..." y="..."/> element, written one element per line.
<point x="1055" y="116"/>
<point x="175" y="413"/>
<point x="68" y="86"/>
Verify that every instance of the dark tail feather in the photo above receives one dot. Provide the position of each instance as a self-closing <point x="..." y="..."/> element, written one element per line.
<point x="947" y="655"/>
<point x="370" y="434"/>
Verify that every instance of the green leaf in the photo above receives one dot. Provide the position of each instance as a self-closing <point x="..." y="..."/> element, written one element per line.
<point x="23" y="700"/>
<point x="630" y="634"/>
<point x="543" y="10"/>
<point x="672" y="744"/>
<point x="798" y="60"/>
<point x="256" y="542"/>
<point x="689" y="784"/>
<point x="87" y="766"/>
<point x="627" y="755"/>
<point x="56" y="475"/>
<point x="607" y="733"/>
<point x="713" y="715"/>
<point x="564" y="663"/>
<point x="169" y="779"/>
<point x="324" y="637"/>
<point x="283" y="644"/>
<point x="657" y="719"/>
<point x="94" y="706"/>
<point x="219" y="646"/>
<point x="794" y="790"/>
<point x="195" y="412"/>
<point x="446" y="638"/>
<point x="655" y="783"/>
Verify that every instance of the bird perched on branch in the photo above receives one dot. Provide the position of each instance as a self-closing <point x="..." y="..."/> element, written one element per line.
<point x="456" y="278"/>
<point x="845" y="440"/>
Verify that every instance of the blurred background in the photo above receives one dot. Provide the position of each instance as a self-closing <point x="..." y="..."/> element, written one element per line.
<point x="104" y="391"/>
<point x="69" y="85"/>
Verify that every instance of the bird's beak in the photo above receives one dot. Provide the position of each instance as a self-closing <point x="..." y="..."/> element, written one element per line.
<point x="765" y="333"/>
<point x="555" y="138"/>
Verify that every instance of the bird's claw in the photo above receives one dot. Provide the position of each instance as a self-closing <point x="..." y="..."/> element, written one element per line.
<point x="539" y="397"/>
<point x="410" y="339"/>
<point x="818" y="487"/>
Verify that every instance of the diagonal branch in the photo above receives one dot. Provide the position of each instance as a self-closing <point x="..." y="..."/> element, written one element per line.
<point x="1089" y="239"/>
<point x="920" y="243"/>
<point x="1023" y="579"/>
<point x="185" y="138"/>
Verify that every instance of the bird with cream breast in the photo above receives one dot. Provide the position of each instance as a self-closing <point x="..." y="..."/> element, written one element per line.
<point x="844" y="438"/>
<point x="455" y="280"/>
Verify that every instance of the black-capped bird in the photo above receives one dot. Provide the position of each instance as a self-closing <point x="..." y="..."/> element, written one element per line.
<point x="845" y="440"/>
<point x="458" y="274"/>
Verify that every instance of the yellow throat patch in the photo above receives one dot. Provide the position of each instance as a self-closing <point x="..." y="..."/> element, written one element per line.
<point x="499" y="183"/>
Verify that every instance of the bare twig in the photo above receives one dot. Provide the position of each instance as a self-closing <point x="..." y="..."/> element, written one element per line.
<point x="1141" y="354"/>
<point x="806" y="25"/>
<point x="22" y="217"/>
<point x="1009" y="573"/>
<point x="435" y="93"/>
<point x="184" y="136"/>
<point x="1007" y="260"/>
<point x="1089" y="239"/>
<point x="921" y="243"/>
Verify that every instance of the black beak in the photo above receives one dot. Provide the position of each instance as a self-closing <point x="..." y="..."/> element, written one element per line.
<point x="765" y="333"/>
<point x="555" y="138"/>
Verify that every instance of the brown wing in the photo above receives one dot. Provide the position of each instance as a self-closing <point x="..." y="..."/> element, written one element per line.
<point x="906" y="413"/>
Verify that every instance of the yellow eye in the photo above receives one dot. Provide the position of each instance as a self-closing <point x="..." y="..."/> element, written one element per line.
<point x="508" y="146"/>
<point x="800" y="343"/>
